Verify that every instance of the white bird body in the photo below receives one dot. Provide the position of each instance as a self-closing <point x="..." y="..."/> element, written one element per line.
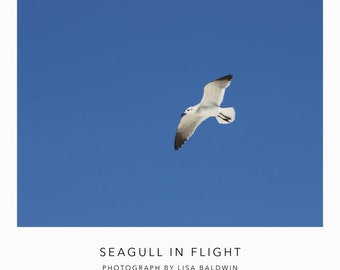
<point x="208" y="107"/>
<point x="204" y="110"/>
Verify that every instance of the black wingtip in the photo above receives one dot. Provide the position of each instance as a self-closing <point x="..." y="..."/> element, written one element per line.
<point x="227" y="77"/>
<point x="177" y="145"/>
<point x="179" y="141"/>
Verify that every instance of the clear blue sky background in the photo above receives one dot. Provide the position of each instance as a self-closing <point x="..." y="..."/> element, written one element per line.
<point x="102" y="84"/>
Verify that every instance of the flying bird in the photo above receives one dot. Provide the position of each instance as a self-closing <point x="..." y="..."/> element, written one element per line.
<point x="208" y="107"/>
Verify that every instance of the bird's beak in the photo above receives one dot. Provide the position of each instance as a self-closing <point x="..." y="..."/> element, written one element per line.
<point x="183" y="114"/>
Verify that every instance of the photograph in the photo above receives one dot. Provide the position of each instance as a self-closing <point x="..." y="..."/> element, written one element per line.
<point x="110" y="92"/>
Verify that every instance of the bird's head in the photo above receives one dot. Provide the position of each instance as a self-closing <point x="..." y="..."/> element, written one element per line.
<point x="189" y="111"/>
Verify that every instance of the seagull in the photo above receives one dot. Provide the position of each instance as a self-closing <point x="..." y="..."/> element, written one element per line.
<point x="208" y="107"/>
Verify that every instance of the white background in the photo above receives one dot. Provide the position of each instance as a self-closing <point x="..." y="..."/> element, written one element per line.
<point x="78" y="248"/>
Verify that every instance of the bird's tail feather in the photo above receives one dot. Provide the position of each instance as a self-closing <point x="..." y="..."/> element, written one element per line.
<point x="226" y="115"/>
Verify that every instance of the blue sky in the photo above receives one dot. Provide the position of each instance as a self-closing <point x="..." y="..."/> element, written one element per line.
<point x="102" y="84"/>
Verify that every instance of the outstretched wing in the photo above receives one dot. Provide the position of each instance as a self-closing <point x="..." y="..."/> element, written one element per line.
<point x="186" y="128"/>
<point x="214" y="91"/>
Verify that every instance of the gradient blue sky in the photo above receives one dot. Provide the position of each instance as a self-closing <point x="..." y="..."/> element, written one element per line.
<point x="102" y="84"/>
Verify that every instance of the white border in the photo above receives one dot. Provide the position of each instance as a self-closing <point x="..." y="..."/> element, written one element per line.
<point x="78" y="248"/>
